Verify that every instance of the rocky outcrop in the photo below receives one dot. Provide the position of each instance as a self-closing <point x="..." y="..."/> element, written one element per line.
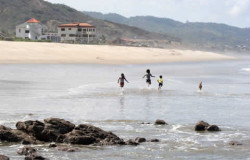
<point x="160" y="122"/>
<point x="204" y="126"/>
<point x="52" y="130"/>
<point x="3" y="157"/>
<point x="60" y="131"/>
<point x="88" y="134"/>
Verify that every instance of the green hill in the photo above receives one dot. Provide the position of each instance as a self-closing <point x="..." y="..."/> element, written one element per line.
<point x="198" y="35"/>
<point x="14" y="12"/>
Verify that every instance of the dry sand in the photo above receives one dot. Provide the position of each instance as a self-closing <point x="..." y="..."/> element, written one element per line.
<point x="34" y="52"/>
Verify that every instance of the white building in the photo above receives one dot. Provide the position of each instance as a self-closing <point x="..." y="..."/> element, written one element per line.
<point x="77" y="32"/>
<point x="32" y="29"/>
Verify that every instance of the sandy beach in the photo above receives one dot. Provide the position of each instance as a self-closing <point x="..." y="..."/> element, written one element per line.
<point x="34" y="52"/>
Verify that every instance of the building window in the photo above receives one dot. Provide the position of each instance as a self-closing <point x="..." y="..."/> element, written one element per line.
<point x="19" y="30"/>
<point x="79" y="29"/>
<point x="84" y="30"/>
<point x="69" y="29"/>
<point x="85" y="35"/>
<point x="62" y="29"/>
<point x="72" y="35"/>
<point x="27" y="31"/>
<point x="93" y="30"/>
<point x="63" y="35"/>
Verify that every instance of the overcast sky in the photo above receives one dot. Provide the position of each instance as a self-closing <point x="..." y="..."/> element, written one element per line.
<point x="232" y="12"/>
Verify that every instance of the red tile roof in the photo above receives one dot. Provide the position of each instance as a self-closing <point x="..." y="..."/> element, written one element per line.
<point x="81" y="25"/>
<point x="33" y="20"/>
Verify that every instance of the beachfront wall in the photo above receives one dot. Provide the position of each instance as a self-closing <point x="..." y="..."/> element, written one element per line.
<point x="32" y="29"/>
<point x="77" y="32"/>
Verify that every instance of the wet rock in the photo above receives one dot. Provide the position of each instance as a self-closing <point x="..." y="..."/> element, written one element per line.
<point x="52" y="145"/>
<point x="34" y="156"/>
<point x="52" y="130"/>
<point x="140" y="140"/>
<point x="76" y="139"/>
<point x="213" y="128"/>
<point x="26" y="151"/>
<point x="60" y="131"/>
<point x="33" y="128"/>
<point x="88" y="134"/>
<point x="68" y="149"/>
<point x="160" y="122"/>
<point x="12" y="135"/>
<point x="201" y="126"/>
<point x="3" y="157"/>
<point x="235" y="143"/>
<point x="154" y="140"/>
<point x="145" y="123"/>
<point x="59" y="125"/>
<point x="131" y="142"/>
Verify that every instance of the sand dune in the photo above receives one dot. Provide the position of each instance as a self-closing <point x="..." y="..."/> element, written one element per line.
<point x="34" y="52"/>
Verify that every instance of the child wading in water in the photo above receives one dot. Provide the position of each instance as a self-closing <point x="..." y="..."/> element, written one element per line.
<point x="121" y="80"/>
<point x="148" y="75"/>
<point x="200" y="86"/>
<point x="160" y="81"/>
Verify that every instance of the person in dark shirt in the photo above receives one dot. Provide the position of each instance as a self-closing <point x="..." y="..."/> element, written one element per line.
<point x="148" y="76"/>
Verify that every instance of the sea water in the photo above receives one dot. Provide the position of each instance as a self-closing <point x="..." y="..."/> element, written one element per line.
<point x="90" y="94"/>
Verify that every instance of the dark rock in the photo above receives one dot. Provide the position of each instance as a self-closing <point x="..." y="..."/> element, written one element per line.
<point x="33" y="128"/>
<point x="34" y="156"/>
<point x="52" y="145"/>
<point x="213" y="128"/>
<point x="140" y="140"/>
<point x="52" y="130"/>
<point x="160" y="122"/>
<point x="60" y="131"/>
<point x="201" y="126"/>
<point x="68" y="149"/>
<point x="83" y="140"/>
<point x="145" y="123"/>
<point x="131" y="142"/>
<point x="154" y="140"/>
<point x="87" y="134"/>
<point x="60" y="125"/>
<point x="12" y="135"/>
<point x="26" y="151"/>
<point x="3" y="157"/>
<point x="235" y="143"/>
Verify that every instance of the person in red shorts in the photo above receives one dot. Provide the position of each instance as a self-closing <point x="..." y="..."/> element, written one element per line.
<point x="122" y="79"/>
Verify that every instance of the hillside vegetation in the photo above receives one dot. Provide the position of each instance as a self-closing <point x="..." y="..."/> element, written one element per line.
<point x="14" y="12"/>
<point x="203" y="35"/>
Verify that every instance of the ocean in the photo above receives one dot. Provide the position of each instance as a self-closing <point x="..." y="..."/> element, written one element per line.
<point x="90" y="94"/>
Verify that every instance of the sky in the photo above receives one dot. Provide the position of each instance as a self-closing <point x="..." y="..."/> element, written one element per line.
<point x="231" y="12"/>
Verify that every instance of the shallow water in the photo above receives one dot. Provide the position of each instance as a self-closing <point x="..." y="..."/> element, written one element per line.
<point x="90" y="94"/>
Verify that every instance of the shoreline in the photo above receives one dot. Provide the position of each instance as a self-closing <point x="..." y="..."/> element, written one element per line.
<point x="60" y="53"/>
